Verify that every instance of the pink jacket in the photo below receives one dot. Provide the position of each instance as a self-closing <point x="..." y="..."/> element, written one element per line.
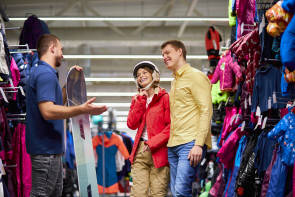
<point x="228" y="150"/>
<point x="231" y="121"/>
<point x="226" y="71"/>
<point x="245" y="10"/>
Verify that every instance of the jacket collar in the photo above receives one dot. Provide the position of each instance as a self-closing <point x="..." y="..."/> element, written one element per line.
<point x="159" y="92"/>
<point x="182" y="70"/>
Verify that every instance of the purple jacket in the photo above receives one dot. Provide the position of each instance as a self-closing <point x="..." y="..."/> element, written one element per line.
<point x="226" y="71"/>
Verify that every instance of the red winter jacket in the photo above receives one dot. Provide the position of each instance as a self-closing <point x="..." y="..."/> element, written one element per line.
<point x="157" y="119"/>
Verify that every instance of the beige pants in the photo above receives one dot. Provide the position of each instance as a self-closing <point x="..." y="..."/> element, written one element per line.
<point x="148" y="181"/>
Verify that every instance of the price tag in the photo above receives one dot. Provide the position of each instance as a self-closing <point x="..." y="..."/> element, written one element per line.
<point x="226" y="101"/>
<point x="2" y="171"/>
<point x="264" y="123"/>
<point x="258" y="112"/>
<point x="274" y="97"/>
<point x="243" y="125"/>
<point x="269" y="103"/>
<point x="203" y="161"/>
<point x="256" y="127"/>
<point x="250" y="102"/>
<point x="232" y="119"/>
<point x="219" y="106"/>
<point x="259" y="120"/>
<point x="237" y="117"/>
<point x="245" y="104"/>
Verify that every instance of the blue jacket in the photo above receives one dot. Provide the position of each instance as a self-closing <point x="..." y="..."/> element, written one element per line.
<point x="278" y="178"/>
<point x="24" y="62"/>
<point x="284" y="133"/>
<point x="264" y="88"/>
<point x="288" y="38"/>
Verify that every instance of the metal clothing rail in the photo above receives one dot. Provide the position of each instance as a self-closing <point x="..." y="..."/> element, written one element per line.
<point x="18" y="50"/>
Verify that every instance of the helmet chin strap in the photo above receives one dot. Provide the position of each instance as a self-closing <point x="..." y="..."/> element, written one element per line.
<point x="148" y="86"/>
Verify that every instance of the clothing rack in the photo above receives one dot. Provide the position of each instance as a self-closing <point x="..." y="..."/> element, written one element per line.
<point x="19" y="117"/>
<point x="18" y="50"/>
<point x="11" y="28"/>
<point x="264" y="4"/>
<point x="11" y="89"/>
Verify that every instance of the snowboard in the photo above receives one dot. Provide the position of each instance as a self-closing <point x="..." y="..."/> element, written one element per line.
<point x="76" y="95"/>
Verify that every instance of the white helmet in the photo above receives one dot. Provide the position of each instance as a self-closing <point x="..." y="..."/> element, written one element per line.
<point x="151" y="65"/>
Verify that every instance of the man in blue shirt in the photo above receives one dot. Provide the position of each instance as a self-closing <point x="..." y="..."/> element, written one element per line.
<point x="45" y="114"/>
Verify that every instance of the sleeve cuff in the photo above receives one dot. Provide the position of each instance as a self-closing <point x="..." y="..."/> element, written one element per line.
<point x="200" y="142"/>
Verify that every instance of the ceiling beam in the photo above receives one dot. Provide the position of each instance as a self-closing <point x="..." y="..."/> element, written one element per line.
<point x="84" y="11"/>
<point x="109" y="24"/>
<point x="168" y="11"/>
<point x="197" y="13"/>
<point x="189" y="13"/>
<point x="161" y="9"/>
<point x="65" y="10"/>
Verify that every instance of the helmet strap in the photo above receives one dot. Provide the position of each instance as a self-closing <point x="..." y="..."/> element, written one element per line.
<point x="148" y="86"/>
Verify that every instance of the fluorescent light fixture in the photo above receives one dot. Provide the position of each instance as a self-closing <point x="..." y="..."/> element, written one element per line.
<point x="114" y="104"/>
<point x="100" y="94"/>
<point x="126" y="19"/>
<point x="127" y="57"/>
<point x="117" y="113"/>
<point x="88" y="79"/>
<point x="118" y="119"/>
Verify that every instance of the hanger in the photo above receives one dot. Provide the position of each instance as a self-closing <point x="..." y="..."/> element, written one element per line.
<point x="11" y="89"/>
<point x="19" y="45"/>
<point x="3" y="95"/>
<point x="223" y="49"/>
<point x="263" y="5"/>
<point x="18" y="50"/>
<point x="22" y="51"/>
<point x="9" y="114"/>
<point x="20" y="117"/>
<point x="247" y="27"/>
<point x="10" y="28"/>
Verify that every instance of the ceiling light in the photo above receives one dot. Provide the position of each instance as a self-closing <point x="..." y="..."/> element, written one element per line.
<point x="118" y="119"/>
<point x="114" y="104"/>
<point x="119" y="79"/>
<point x="99" y="94"/>
<point x="126" y="19"/>
<point x="117" y="113"/>
<point x="128" y="57"/>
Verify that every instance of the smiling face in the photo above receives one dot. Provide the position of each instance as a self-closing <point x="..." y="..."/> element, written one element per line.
<point x="171" y="57"/>
<point x="143" y="77"/>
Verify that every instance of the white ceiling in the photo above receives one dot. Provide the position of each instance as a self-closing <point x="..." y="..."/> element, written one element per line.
<point x="122" y="38"/>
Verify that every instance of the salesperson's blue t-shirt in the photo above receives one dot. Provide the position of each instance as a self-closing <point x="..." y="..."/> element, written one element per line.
<point x="43" y="136"/>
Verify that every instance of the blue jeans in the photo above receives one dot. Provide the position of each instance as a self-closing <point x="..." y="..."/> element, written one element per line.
<point x="182" y="174"/>
<point x="47" y="177"/>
